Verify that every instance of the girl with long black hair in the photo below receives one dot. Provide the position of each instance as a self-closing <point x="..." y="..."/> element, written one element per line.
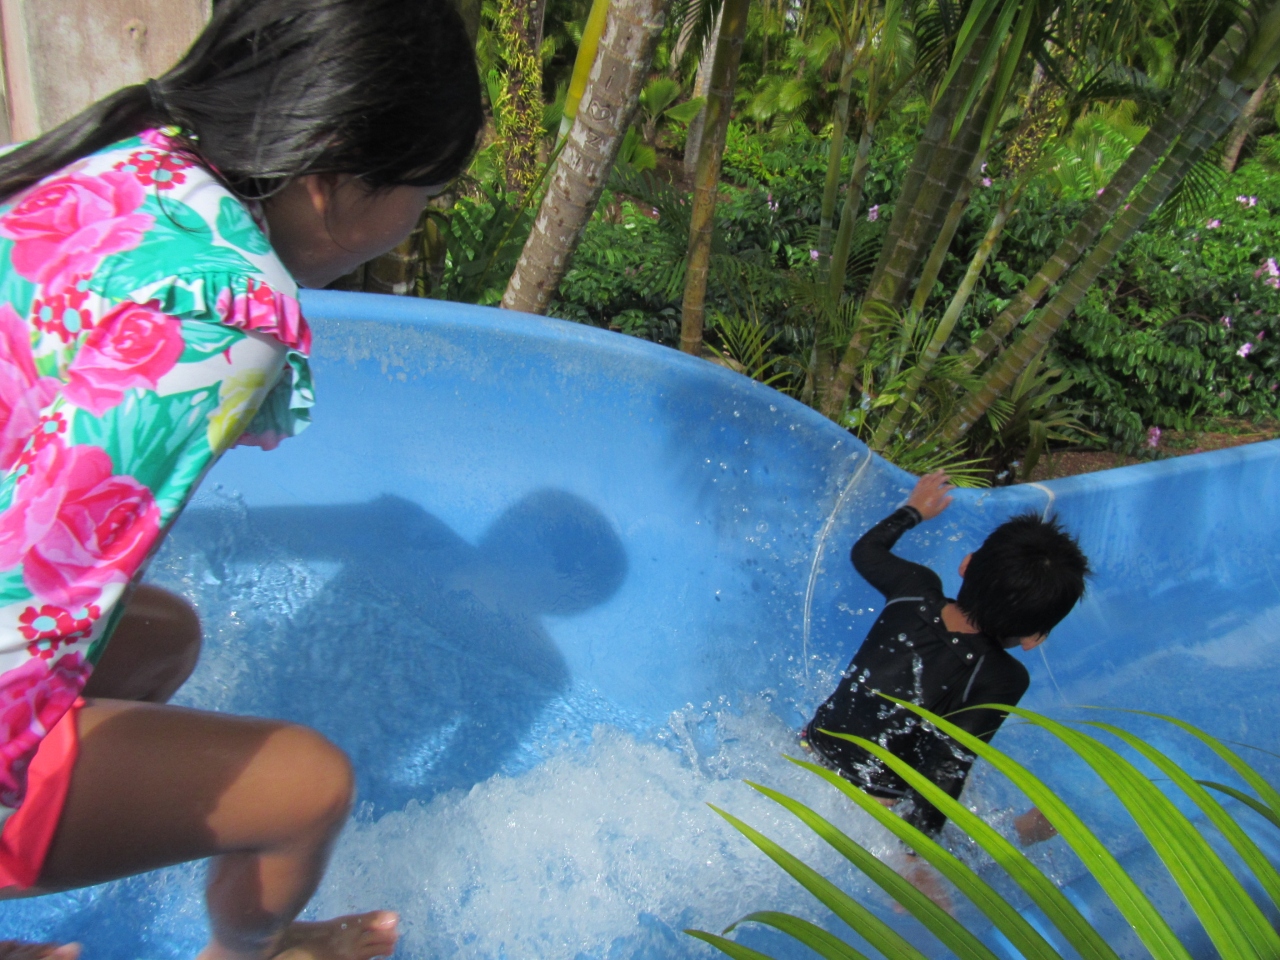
<point x="150" y="251"/>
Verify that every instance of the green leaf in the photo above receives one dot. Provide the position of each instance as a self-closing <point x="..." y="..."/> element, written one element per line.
<point x="237" y="227"/>
<point x="822" y="942"/>
<point x="204" y="339"/>
<point x="13" y="589"/>
<point x="1270" y="796"/>
<point x="724" y="945"/>
<point x="1256" y="805"/>
<point x="1253" y="857"/>
<point x="870" y="927"/>
<point x="1025" y="938"/>
<point x="1060" y="911"/>
<point x="162" y="442"/>
<point x="1133" y="904"/>
<point x="687" y="111"/>
<point x="936" y="920"/>
<point x="179" y="244"/>
<point x="1233" y="921"/>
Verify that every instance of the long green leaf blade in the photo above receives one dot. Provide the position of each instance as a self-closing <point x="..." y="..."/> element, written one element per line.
<point x="1270" y="796"/>
<point x="822" y="942"/>
<point x="936" y="920"/>
<point x="1046" y="895"/>
<point x="1240" y="841"/>
<point x="1152" y="929"/>
<point x="1011" y="923"/>
<point x="1233" y="921"/>
<point x="870" y="927"/>
<point x="727" y="946"/>
<point x="1253" y="803"/>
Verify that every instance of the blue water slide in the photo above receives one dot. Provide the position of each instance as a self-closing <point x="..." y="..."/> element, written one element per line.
<point x="556" y="589"/>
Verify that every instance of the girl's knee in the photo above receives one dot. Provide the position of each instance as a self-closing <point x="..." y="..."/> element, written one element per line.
<point x="321" y="776"/>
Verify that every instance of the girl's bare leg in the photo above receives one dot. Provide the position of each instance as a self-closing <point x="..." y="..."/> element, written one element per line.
<point x="157" y="785"/>
<point x="13" y="950"/>
<point x="154" y="649"/>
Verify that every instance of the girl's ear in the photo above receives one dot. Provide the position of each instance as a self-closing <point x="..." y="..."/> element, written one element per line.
<point x="320" y="189"/>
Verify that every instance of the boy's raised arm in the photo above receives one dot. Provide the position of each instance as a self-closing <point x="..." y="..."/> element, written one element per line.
<point x="873" y="556"/>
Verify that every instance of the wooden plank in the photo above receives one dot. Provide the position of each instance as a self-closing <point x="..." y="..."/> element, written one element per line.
<point x="62" y="55"/>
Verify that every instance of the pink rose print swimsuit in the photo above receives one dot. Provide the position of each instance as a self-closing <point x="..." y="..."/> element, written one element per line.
<point x="145" y="327"/>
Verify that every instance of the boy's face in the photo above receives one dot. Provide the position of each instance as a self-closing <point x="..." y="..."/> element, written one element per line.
<point x="1026" y="643"/>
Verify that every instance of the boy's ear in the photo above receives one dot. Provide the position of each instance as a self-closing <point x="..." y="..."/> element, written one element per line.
<point x="964" y="564"/>
<point x="1033" y="641"/>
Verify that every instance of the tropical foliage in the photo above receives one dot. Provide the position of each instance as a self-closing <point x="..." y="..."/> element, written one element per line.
<point x="966" y="229"/>
<point x="1180" y="816"/>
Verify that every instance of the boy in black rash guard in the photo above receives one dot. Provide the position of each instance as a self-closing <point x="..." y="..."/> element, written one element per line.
<point x="945" y="654"/>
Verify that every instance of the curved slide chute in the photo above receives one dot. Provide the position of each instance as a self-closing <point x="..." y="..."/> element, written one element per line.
<point x="555" y="588"/>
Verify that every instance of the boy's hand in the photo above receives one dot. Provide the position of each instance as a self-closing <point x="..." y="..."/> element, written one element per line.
<point x="930" y="495"/>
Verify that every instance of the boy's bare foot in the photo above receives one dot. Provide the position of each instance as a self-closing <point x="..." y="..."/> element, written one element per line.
<point x="1033" y="827"/>
<point x="15" y="950"/>
<point x="357" y="937"/>
<point x="927" y="880"/>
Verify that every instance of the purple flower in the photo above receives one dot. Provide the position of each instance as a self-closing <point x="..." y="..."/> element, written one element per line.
<point x="1246" y="348"/>
<point x="986" y="181"/>
<point x="813" y="254"/>
<point x="1153" y="437"/>
<point x="1101" y="191"/>
<point x="1247" y="201"/>
<point x="873" y="214"/>
<point x="1226" y="322"/>
<point x="1213" y="224"/>
<point x="1261" y="334"/>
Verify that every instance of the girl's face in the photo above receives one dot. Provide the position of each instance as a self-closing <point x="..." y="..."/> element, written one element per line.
<point x="324" y="226"/>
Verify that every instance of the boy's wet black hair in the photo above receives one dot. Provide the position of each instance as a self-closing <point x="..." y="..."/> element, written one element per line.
<point x="1024" y="579"/>
<point x="384" y="90"/>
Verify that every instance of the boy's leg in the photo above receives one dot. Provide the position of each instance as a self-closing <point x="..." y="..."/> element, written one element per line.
<point x="153" y="650"/>
<point x="156" y="785"/>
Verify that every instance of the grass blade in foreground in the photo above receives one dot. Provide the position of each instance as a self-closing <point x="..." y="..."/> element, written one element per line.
<point x="1022" y="934"/>
<point x="1152" y="929"/>
<point x="936" y="920"/>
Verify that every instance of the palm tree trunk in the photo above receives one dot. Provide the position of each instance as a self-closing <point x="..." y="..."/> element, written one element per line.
<point x="1218" y="112"/>
<point x="938" y="188"/>
<point x="1240" y="132"/>
<point x="733" y="30"/>
<point x="938" y="255"/>
<point x="942" y="333"/>
<point x="1137" y="165"/>
<point x="835" y="153"/>
<point x="701" y="83"/>
<point x="608" y="105"/>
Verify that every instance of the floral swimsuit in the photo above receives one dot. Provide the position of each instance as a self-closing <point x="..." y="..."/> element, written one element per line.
<point x="145" y="327"/>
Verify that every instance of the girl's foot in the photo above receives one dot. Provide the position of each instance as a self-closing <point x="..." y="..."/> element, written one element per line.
<point x="357" y="937"/>
<point x="13" y="950"/>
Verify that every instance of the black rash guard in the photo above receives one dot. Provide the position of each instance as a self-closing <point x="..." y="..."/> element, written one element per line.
<point x="910" y="653"/>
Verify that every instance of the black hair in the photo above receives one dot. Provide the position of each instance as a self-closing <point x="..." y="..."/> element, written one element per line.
<point x="1024" y="579"/>
<point x="385" y="90"/>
